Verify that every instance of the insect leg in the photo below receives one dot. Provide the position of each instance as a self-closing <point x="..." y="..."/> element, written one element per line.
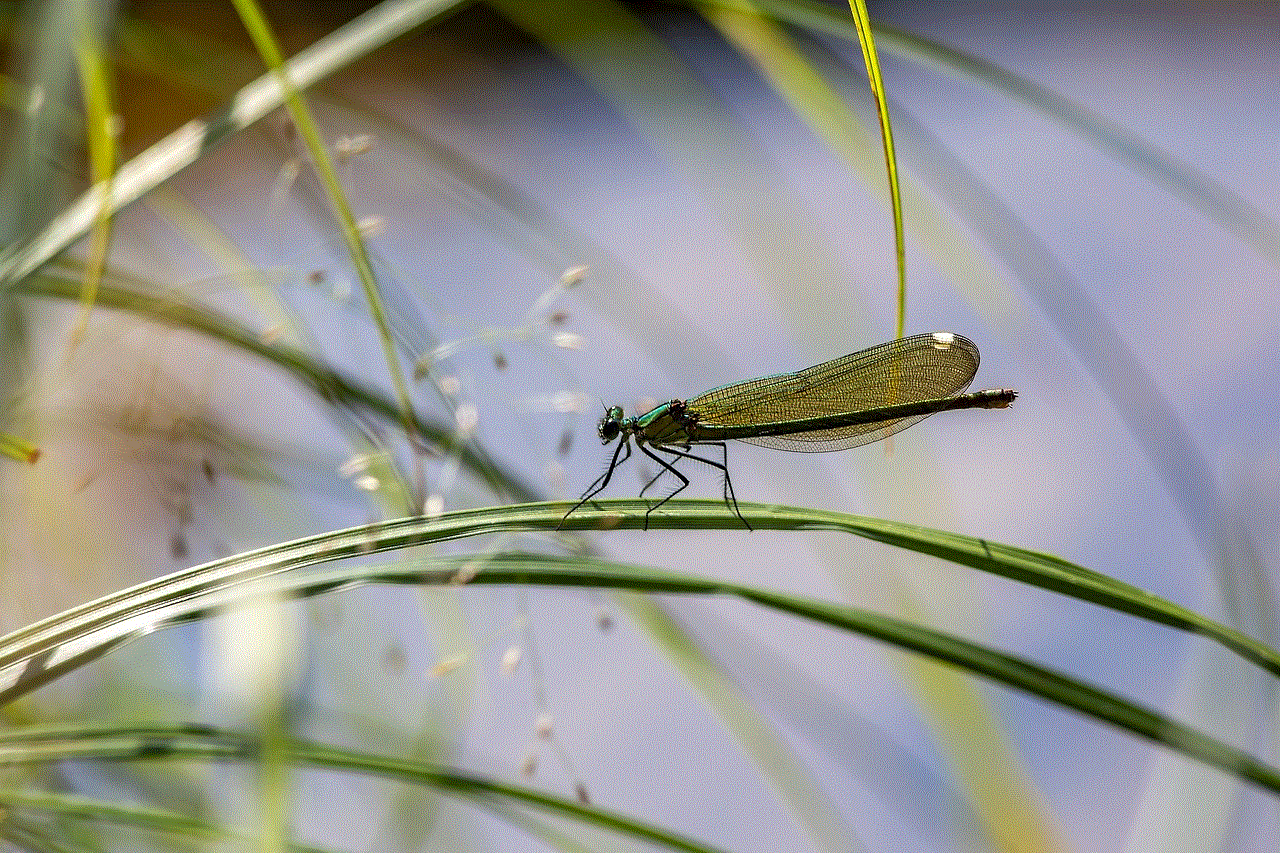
<point x="603" y="480"/>
<point x="661" y="471"/>
<point x="730" y="500"/>
<point x="666" y="466"/>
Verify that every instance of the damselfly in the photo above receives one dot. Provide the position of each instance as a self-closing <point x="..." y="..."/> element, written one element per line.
<point x="842" y="403"/>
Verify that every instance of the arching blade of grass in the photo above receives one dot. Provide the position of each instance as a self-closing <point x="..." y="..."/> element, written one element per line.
<point x="37" y="654"/>
<point x="1041" y="570"/>
<point x="199" y="743"/>
<point x="143" y="605"/>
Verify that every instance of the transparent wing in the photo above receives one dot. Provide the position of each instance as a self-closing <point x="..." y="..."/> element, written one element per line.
<point x="907" y="370"/>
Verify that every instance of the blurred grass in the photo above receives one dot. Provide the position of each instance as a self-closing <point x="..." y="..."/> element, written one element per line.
<point x="39" y="227"/>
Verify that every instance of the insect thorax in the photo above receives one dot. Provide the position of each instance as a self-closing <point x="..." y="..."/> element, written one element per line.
<point x="670" y="423"/>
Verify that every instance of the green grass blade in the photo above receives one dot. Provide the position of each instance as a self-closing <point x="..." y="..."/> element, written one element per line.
<point x="195" y="743"/>
<point x="35" y="655"/>
<point x="89" y="809"/>
<point x="125" y="293"/>
<point x="825" y="111"/>
<point x="309" y="131"/>
<point x="121" y="613"/>
<point x="18" y="448"/>
<point x="1019" y="564"/>
<point x="186" y="145"/>
<point x="1213" y="199"/>
<point x="866" y="39"/>
<point x="101" y="142"/>
<point x="1041" y="570"/>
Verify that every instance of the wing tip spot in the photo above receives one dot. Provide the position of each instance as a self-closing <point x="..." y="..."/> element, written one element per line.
<point x="943" y="340"/>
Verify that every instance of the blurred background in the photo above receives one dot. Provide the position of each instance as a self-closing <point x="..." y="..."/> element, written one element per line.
<point x="576" y="205"/>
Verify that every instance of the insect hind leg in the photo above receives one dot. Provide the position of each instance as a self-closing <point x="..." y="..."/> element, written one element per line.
<point x="730" y="499"/>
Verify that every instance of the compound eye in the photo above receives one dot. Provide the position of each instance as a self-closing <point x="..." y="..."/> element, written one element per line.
<point x="610" y="424"/>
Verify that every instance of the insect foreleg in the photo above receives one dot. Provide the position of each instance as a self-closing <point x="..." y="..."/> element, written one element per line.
<point x="602" y="481"/>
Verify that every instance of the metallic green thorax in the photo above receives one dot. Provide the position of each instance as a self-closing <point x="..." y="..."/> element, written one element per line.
<point x="670" y="423"/>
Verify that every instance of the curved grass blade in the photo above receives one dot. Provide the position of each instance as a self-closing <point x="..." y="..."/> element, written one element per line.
<point x="1182" y="179"/>
<point x="39" y="653"/>
<point x="194" y="743"/>
<point x="34" y="655"/>
<point x="1019" y="564"/>
<point x="25" y="653"/>
<point x="866" y="39"/>
<point x="264" y="40"/>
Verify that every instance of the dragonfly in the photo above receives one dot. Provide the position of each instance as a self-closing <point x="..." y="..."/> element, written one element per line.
<point x="846" y="402"/>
